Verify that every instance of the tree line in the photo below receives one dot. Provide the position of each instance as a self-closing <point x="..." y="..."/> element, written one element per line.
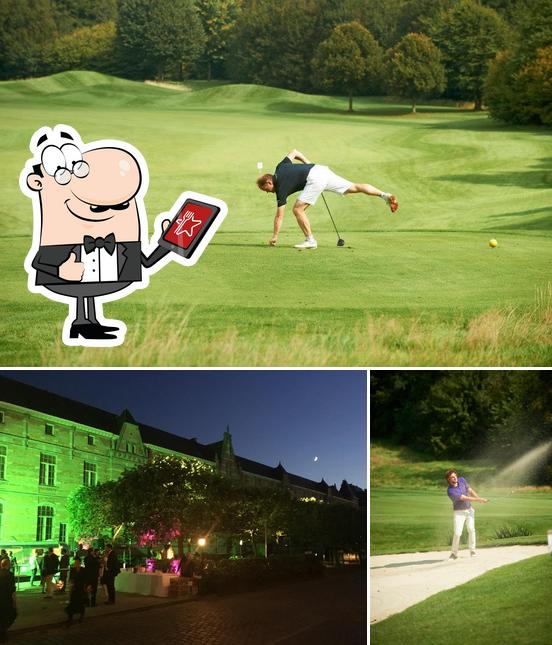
<point x="497" y="52"/>
<point x="180" y="500"/>
<point x="464" y="414"/>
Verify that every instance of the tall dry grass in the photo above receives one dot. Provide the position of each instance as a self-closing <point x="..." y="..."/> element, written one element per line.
<point x="502" y="337"/>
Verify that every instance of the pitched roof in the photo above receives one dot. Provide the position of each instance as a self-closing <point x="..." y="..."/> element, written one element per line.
<point x="41" y="400"/>
<point x="28" y="396"/>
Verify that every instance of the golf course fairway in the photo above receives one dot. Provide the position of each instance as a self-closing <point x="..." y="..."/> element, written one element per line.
<point x="418" y="287"/>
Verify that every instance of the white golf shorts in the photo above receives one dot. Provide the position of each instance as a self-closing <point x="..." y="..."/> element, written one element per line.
<point x="319" y="179"/>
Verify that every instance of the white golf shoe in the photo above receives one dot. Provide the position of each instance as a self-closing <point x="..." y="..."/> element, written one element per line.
<point x="391" y="201"/>
<point x="307" y="244"/>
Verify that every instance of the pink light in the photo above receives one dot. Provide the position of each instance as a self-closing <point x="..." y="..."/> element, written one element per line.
<point x="147" y="538"/>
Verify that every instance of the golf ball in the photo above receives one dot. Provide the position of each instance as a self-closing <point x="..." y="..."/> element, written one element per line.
<point x="493" y="243"/>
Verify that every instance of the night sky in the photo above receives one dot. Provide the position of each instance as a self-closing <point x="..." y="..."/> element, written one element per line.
<point x="274" y="415"/>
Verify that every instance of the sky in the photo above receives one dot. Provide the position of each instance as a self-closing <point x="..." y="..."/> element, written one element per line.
<point x="292" y="416"/>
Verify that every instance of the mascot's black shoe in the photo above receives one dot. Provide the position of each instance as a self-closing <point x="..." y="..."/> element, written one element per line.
<point x="89" y="331"/>
<point x="103" y="327"/>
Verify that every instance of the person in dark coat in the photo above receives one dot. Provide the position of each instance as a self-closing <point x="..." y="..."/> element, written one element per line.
<point x="92" y="570"/>
<point x="8" y="606"/>
<point x="79" y="592"/>
<point x="111" y="571"/>
<point x="50" y="568"/>
<point x="63" y="569"/>
<point x="187" y="566"/>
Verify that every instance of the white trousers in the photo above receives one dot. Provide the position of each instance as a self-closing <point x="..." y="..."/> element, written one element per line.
<point x="459" y="517"/>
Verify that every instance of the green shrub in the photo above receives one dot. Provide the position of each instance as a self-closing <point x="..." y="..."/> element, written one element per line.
<point x="247" y="573"/>
<point x="516" y="530"/>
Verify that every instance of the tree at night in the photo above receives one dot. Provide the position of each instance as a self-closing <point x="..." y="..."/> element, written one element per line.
<point x="257" y="513"/>
<point x="92" y="512"/>
<point x="174" y="499"/>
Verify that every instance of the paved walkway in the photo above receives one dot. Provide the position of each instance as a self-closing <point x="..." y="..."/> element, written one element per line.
<point x="402" y="580"/>
<point x="331" y="609"/>
<point x="36" y="611"/>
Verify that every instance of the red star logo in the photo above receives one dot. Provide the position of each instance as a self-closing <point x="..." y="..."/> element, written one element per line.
<point x="186" y="224"/>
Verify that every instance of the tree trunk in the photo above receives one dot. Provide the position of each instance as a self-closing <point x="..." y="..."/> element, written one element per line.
<point x="478" y="105"/>
<point x="180" y="72"/>
<point x="209" y="71"/>
<point x="180" y="542"/>
<point x="350" y="101"/>
<point x="413" y="108"/>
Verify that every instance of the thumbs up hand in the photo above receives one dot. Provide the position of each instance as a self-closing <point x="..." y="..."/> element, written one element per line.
<point x="71" y="269"/>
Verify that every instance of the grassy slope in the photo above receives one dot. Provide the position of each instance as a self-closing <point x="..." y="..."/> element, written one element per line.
<point x="507" y="605"/>
<point x="410" y="511"/>
<point x="414" y="288"/>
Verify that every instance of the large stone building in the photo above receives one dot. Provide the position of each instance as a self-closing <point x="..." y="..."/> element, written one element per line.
<point x="50" y="445"/>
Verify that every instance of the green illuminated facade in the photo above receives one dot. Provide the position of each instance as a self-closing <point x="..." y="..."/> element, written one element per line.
<point x="49" y="446"/>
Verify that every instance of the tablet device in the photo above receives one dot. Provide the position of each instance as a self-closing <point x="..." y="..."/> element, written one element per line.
<point x="189" y="226"/>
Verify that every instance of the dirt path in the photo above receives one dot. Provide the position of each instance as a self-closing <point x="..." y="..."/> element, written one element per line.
<point x="402" y="580"/>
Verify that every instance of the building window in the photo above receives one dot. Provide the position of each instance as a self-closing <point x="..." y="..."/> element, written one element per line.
<point x="89" y="475"/>
<point x="47" y="470"/>
<point x="90" y="440"/>
<point x="1" y="513"/>
<point x="44" y="522"/>
<point x="2" y="417"/>
<point x="3" y="453"/>
<point x="49" y="429"/>
<point x="63" y="533"/>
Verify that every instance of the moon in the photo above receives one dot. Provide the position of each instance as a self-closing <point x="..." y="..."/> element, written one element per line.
<point x="316" y="459"/>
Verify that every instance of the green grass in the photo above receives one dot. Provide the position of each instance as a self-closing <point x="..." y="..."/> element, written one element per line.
<point x="410" y="510"/>
<point x="507" y="605"/>
<point x="392" y="466"/>
<point x="404" y="521"/>
<point x="420" y="287"/>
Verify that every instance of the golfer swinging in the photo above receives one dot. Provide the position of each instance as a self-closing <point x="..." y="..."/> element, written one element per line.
<point x="311" y="179"/>
<point x="461" y="494"/>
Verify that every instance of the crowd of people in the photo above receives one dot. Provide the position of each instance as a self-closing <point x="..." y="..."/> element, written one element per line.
<point x="81" y="577"/>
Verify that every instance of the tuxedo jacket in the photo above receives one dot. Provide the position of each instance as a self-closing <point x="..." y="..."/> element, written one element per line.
<point x="130" y="261"/>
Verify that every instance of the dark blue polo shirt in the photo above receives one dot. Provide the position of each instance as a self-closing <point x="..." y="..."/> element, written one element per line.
<point x="289" y="178"/>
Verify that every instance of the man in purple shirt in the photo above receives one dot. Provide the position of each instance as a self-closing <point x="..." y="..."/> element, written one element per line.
<point x="461" y="495"/>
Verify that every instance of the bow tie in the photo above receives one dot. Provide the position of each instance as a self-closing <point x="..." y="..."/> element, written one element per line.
<point x="107" y="243"/>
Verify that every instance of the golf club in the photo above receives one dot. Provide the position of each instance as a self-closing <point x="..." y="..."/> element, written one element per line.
<point x="340" y="240"/>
